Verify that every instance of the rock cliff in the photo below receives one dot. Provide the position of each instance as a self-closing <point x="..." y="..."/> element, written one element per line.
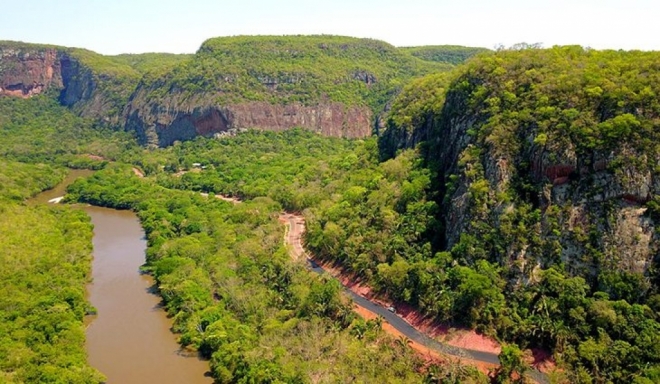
<point x="163" y="126"/>
<point x="333" y="85"/>
<point x="534" y="172"/>
<point x="28" y="70"/>
<point x="336" y="86"/>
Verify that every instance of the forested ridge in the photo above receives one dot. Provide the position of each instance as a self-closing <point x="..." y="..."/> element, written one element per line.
<point x="90" y="84"/>
<point x="517" y="217"/>
<point x="277" y="69"/>
<point x="451" y="54"/>
<point x="286" y="69"/>
<point x="336" y="85"/>
<point x="544" y="164"/>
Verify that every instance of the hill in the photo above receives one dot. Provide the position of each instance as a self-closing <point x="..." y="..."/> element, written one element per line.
<point x="330" y="84"/>
<point x="338" y="86"/>
<point x="450" y="54"/>
<point x="546" y="169"/>
<point x="92" y="85"/>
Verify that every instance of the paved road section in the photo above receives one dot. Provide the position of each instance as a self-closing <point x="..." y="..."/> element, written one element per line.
<point x="293" y="237"/>
<point x="296" y="226"/>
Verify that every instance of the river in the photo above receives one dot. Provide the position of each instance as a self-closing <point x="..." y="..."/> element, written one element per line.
<point x="129" y="340"/>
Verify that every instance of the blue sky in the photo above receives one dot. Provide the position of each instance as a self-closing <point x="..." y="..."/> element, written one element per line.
<point x="133" y="26"/>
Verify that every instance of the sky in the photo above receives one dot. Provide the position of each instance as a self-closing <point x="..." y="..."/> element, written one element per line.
<point x="136" y="26"/>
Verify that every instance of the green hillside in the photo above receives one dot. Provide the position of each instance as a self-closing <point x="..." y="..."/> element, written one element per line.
<point x="148" y="62"/>
<point x="288" y="69"/>
<point x="116" y="77"/>
<point x="545" y="163"/>
<point x="39" y="130"/>
<point x="450" y="54"/>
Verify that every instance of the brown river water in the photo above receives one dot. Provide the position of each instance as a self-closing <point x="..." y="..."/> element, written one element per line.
<point x="129" y="340"/>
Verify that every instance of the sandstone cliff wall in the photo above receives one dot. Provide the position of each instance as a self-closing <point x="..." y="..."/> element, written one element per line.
<point x="25" y="73"/>
<point x="592" y="206"/>
<point x="29" y="71"/>
<point x="161" y="125"/>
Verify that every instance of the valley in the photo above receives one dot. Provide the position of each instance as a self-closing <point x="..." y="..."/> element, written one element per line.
<point x="511" y="195"/>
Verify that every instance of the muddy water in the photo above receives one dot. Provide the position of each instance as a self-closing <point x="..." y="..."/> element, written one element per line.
<point x="60" y="189"/>
<point x="129" y="340"/>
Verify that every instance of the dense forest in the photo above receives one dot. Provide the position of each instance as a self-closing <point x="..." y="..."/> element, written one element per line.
<point x="283" y="69"/>
<point x="511" y="262"/>
<point x="220" y="268"/>
<point x="39" y="130"/>
<point x="543" y="164"/>
<point x="450" y="54"/>
<point x="42" y="295"/>
<point x="513" y="192"/>
<point x="236" y="296"/>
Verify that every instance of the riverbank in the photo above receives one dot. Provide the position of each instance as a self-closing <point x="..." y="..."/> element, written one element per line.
<point x="129" y="339"/>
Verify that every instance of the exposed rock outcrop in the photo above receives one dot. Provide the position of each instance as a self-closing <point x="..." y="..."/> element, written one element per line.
<point x="527" y="190"/>
<point x="29" y="72"/>
<point x="333" y="85"/>
<point x="598" y="210"/>
<point x="162" y="127"/>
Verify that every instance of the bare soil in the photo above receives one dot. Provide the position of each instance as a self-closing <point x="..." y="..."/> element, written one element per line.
<point x="138" y="172"/>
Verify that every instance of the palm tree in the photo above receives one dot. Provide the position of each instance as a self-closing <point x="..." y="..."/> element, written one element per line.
<point x="403" y="345"/>
<point x="378" y="322"/>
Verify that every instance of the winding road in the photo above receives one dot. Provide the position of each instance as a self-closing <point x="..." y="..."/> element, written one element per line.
<point x="293" y="237"/>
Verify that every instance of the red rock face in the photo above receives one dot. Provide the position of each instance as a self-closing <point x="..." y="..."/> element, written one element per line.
<point x="559" y="174"/>
<point x="24" y="74"/>
<point x="210" y="123"/>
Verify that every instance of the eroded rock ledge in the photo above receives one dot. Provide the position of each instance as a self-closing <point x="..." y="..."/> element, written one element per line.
<point x="163" y="126"/>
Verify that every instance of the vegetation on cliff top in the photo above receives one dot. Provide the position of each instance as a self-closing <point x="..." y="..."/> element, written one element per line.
<point x="450" y="54"/>
<point x="412" y="113"/>
<point x="106" y="82"/>
<point x="123" y="72"/>
<point x="20" y="45"/>
<point x="116" y="77"/>
<point x="549" y="149"/>
<point x="288" y="69"/>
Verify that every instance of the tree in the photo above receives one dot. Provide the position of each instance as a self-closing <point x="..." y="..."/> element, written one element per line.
<point x="512" y="365"/>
